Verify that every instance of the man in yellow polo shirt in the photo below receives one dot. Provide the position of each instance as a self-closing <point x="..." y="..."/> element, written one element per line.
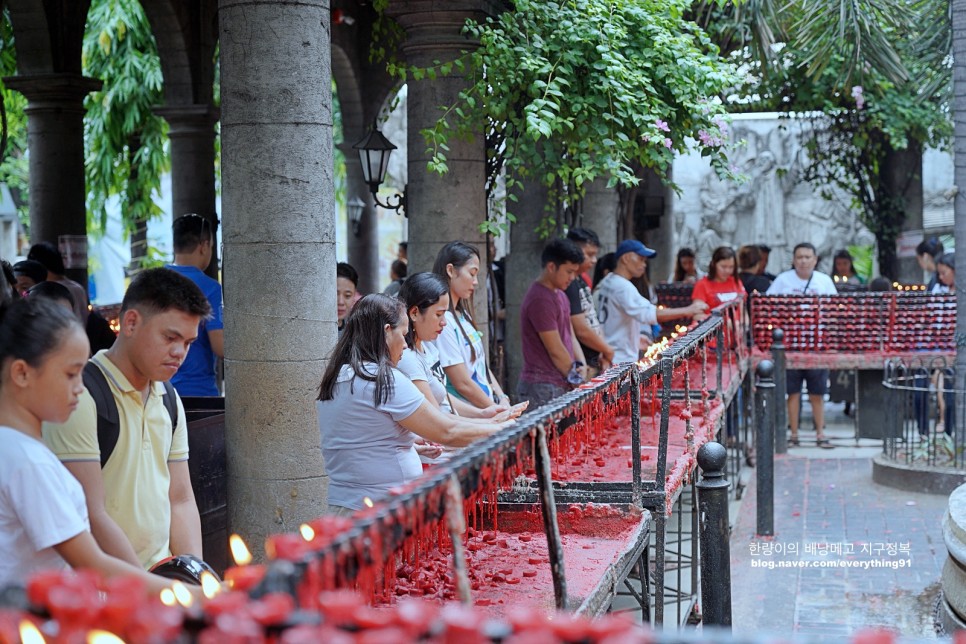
<point x="141" y="505"/>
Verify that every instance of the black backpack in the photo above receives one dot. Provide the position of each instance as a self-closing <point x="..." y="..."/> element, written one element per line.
<point x="108" y="419"/>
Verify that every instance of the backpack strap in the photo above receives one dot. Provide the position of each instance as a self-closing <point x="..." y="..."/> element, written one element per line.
<point x="108" y="421"/>
<point x="170" y="400"/>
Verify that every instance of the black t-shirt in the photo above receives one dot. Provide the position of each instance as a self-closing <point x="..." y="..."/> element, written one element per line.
<point x="582" y="301"/>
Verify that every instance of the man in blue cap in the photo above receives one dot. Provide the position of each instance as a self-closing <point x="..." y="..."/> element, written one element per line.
<point x="622" y="310"/>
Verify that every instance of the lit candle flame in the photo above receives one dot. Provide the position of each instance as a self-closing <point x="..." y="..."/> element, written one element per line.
<point x="168" y="598"/>
<point x="239" y="551"/>
<point x="103" y="637"/>
<point x="367" y="501"/>
<point x="307" y="532"/>
<point x="30" y="634"/>
<point x="182" y="594"/>
<point x="209" y="584"/>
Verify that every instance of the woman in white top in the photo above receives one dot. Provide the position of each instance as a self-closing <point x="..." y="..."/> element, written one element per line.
<point x="43" y="511"/>
<point x="461" y="352"/>
<point x="426" y="297"/>
<point x="368" y="410"/>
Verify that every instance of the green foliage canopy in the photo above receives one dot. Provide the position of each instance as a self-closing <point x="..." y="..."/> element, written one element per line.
<point x="580" y="89"/>
<point x="125" y="139"/>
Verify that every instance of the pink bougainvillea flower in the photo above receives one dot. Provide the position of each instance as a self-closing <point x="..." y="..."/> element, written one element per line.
<point x="668" y="143"/>
<point x="662" y="125"/>
<point x="858" y="96"/>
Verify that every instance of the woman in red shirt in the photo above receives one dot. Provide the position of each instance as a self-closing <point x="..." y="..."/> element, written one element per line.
<point x="721" y="284"/>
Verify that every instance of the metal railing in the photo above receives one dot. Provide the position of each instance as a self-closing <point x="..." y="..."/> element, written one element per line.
<point x="922" y="427"/>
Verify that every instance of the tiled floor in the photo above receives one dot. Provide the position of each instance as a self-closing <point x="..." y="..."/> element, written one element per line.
<point x="826" y="499"/>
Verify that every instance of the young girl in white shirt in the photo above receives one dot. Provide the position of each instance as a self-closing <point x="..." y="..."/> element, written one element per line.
<point x="460" y="345"/>
<point x="43" y="512"/>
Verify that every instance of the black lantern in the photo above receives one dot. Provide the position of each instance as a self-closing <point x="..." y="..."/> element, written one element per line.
<point x="355" y="208"/>
<point x="374" y="150"/>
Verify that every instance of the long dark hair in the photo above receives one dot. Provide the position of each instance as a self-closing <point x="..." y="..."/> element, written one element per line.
<point x="458" y="254"/>
<point x="605" y="264"/>
<point x="421" y="290"/>
<point x="678" y="269"/>
<point x="32" y="328"/>
<point x="363" y="340"/>
<point x="721" y="253"/>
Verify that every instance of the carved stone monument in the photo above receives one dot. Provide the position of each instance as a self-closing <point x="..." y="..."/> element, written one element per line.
<point x="773" y="206"/>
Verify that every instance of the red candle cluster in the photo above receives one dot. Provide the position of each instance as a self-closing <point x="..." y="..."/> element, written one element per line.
<point x="857" y="322"/>
<point x="80" y="602"/>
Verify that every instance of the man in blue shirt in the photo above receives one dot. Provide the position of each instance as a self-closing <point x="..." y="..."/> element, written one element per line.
<point x="193" y="242"/>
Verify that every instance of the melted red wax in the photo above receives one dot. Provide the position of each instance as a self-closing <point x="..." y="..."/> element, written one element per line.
<point x="511" y="567"/>
<point x="368" y="568"/>
<point x="610" y="459"/>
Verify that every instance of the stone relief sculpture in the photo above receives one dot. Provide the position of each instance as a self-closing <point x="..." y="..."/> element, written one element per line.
<point x="773" y="206"/>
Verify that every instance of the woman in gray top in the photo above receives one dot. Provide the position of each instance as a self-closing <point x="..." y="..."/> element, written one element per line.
<point x="368" y="410"/>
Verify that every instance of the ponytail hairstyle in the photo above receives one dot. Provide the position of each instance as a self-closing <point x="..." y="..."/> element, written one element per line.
<point x="458" y="254"/>
<point x="363" y="340"/>
<point x="32" y="328"/>
<point x="422" y="291"/>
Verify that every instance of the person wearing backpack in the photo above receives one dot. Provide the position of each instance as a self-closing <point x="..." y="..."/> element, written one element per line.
<point x="127" y="442"/>
<point x="43" y="514"/>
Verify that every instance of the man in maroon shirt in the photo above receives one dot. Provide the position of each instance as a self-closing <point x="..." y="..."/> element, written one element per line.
<point x="552" y="359"/>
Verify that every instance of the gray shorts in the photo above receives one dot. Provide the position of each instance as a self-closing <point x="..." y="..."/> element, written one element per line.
<point x="539" y="393"/>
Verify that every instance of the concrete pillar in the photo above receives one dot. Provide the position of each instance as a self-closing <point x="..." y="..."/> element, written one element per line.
<point x="279" y="241"/>
<point x="601" y="213"/>
<point x="55" y="137"/>
<point x="191" y="130"/>
<point x="522" y="268"/>
<point x="448" y="207"/>
<point x="364" y="247"/>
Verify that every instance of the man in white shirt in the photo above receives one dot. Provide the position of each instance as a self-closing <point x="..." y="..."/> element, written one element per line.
<point x="803" y="279"/>
<point x="622" y="310"/>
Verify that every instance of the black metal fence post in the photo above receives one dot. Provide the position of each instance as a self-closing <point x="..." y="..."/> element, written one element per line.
<point x="765" y="404"/>
<point x="781" y="421"/>
<point x="715" y="547"/>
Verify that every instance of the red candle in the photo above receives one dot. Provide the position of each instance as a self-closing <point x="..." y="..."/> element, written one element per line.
<point x="272" y="609"/>
<point x="155" y="622"/>
<point x="232" y="628"/>
<point x="41" y="583"/>
<point x="290" y="547"/>
<point x="244" y="578"/>
<point x="226" y="602"/>
<point x="122" y="597"/>
<point x="339" y="606"/>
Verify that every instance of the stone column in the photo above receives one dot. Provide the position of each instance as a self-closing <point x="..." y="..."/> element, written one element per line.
<point x="601" y="213"/>
<point x="448" y="207"/>
<point x="522" y="268"/>
<point x="55" y="137"/>
<point x="279" y="242"/>
<point x="364" y="247"/>
<point x="952" y="613"/>
<point x="191" y="130"/>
